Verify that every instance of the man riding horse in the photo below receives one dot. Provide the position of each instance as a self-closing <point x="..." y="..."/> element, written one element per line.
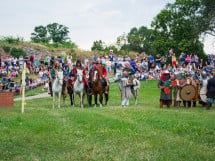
<point x="73" y="74"/>
<point x="101" y="67"/>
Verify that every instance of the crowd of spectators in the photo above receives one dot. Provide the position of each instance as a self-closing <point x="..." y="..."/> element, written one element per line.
<point x="149" y="66"/>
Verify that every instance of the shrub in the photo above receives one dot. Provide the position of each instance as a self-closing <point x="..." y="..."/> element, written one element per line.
<point x="12" y="40"/>
<point x="6" y="49"/>
<point x="16" y="52"/>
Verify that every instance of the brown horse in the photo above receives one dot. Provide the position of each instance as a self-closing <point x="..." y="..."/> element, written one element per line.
<point x="97" y="87"/>
<point x="69" y="85"/>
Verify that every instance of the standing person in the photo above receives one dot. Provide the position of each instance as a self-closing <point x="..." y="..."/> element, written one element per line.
<point x="125" y="89"/>
<point x="158" y="60"/>
<point x="211" y="90"/>
<point x="165" y="86"/>
<point x="169" y="57"/>
<point x="69" y="60"/>
<point x="174" y="61"/>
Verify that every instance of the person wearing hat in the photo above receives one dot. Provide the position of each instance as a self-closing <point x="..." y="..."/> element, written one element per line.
<point x="165" y="86"/>
<point x="211" y="90"/>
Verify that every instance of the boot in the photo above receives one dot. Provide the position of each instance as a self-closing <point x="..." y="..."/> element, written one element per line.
<point x="161" y="104"/>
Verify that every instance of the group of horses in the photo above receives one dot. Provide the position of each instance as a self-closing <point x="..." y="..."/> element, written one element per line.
<point x="63" y="87"/>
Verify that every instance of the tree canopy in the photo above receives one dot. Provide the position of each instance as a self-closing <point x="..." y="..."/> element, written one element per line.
<point x="54" y="32"/>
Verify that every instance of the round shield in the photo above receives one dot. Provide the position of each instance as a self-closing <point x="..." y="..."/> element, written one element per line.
<point x="203" y="95"/>
<point x="187" y="92"/>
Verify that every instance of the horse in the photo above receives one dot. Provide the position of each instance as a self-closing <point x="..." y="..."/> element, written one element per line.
<point x="97" y="87"/>
<point x="79" y="87"/>
<point x="70" y="84"/>
<point x="135" y="88"/>
<point x="57" y="87"/>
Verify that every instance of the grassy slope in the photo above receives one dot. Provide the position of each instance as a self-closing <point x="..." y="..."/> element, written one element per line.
<point x="111" y="133"/>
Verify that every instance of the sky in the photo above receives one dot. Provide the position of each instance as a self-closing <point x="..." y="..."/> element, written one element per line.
<point x="87" y="20"/>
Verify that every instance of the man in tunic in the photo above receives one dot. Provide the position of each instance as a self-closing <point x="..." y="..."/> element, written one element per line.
<point x="165" y="86"/>
<point x="211" y="90"/>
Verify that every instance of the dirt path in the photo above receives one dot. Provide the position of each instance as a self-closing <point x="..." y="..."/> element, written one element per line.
<point x="42" y="95"/>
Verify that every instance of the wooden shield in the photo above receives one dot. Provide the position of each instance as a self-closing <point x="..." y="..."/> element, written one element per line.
<point x="187" y="92"/>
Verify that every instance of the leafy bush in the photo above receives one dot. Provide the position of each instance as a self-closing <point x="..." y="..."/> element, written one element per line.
<point x="12" y="40"/>
<point x="6" y="49"/>
<point x="16" y="52"/>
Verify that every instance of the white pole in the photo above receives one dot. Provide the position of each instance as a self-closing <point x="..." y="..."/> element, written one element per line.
<point x="23" y="87"/>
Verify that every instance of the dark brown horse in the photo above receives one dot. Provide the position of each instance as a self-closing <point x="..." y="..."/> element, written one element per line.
<point x="69" y="85"/>
<point x="97" y="87"/>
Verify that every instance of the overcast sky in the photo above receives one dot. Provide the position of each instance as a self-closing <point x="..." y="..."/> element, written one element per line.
<point x="87" y="20"/>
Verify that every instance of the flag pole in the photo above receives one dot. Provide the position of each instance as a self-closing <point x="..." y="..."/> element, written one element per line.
<point x="23" y="87"/>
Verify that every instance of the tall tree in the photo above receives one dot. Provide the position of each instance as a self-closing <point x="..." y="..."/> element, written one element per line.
<point x="98" y="45"/>
<point x="40" y="34"/>
<point x="183" y="22"/>
<point x="140" y="40"/>
<point x="58" y="33"/>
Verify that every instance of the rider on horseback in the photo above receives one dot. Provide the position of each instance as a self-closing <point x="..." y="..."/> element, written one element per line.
<point x="53" y="69"/>
<point x="104" y="74"/>
<point x="74" y="72"/>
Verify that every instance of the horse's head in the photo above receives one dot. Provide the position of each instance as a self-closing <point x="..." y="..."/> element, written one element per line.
<point x="59" y="77"/>
<point x="79" y="75"/>
<point x="95" y="75"/>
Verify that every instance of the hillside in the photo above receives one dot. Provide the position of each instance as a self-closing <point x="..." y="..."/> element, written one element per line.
<point x="38" y="49"/>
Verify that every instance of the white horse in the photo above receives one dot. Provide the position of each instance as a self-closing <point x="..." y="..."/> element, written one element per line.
<point x="135" y="89"/>
<point x="57" y="87"/>
<point x="79" y="87"/>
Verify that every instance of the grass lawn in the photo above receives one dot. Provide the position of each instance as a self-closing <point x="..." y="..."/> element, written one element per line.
<point x="144" y="132"/>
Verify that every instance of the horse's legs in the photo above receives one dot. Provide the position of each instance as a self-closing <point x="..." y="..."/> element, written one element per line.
<point x="136" y="96"/>
<point x="73" y="99"/>
<point x="53" y="101"/>
<point x="59" y="94"/>
<point x="95" y="99"/>
<point x="81" y="99"/>
<point x="89" y="98"/>
<point x="100" y="99"/>
<point x="106" y="98"/>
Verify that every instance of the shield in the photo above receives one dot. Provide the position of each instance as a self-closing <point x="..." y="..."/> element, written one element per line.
<point x="203" y="95"/>
<point x="187" y="92"/>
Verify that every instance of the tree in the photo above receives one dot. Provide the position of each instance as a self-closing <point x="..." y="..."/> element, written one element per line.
<point x="98" y="45"/>
<point x="54" y="32"/>
<point x="140" y="40"/>
<point x="58" y="33"/>
<point x="182" y="23"/>
<point x="40" y="34"/>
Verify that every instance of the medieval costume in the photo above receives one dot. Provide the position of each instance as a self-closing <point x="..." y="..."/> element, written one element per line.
<point x="166" y="92"/>
<point x="104" y="74"/>
<point x="203" y="90"/>
<point x="73" y="74"/>
<point x="211" y="90"/>
<point x="125" y="88"/>
<point x="55" y="67"/>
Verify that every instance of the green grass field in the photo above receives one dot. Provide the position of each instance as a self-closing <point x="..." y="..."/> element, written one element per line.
<point x="144" y="132"/>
